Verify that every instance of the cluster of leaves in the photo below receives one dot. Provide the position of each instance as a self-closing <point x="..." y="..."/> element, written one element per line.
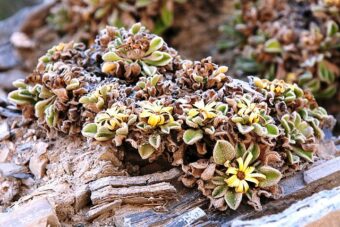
<point x="232" y="139"/>
<point x="68" y="16"/>
<point x="297" y="41"/>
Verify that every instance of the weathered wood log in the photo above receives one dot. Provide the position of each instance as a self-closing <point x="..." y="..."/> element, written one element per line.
<point x="295" y="188"/>
<point x="301" y="213"/>
<point x="98" y="210"/>
<point x="149" y="194"/>
<point x="122" y="181"/>
<point x="35" y="213"/>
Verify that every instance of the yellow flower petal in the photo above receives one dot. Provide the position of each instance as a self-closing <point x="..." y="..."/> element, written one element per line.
<point x="247" y="161"/>
<point x="249" y="170"/>
<point x="153" y="120"/>
<point x="145" y="113"/>
<point x="233" y="181"/>
<point x="245" y="186"/>
<point x="193" y="113"/>
<point x="253" y="180"/>
<point x="231" y="170"/>
<point x="240" y="164"/>
<point x="240" y="187"/>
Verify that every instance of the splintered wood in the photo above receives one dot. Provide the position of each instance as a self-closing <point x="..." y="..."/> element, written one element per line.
<point x="147" y="189"/>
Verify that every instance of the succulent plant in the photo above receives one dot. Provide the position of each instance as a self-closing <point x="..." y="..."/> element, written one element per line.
<point x="241" y="173"/>
<point x="143" y="53"/>
<point x="25" y="94"/>
<point x="252" y="116"/>
<point x="232" y="139"/>
<point x="112" y="123"/>
<point x="298" y="132"/>
<point x="98" y="99"/>
<point x="202" y="75"/>
<point x="156" y="120"/>
<point x="281" y="89"/>
<point x="200" y="118"/>
<point x="270" y="42"/>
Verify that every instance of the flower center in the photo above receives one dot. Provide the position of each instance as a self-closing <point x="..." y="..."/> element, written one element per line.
<point x="240" y="175"/>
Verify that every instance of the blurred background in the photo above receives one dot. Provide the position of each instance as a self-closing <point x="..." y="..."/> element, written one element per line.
<point x="297" y="41"/>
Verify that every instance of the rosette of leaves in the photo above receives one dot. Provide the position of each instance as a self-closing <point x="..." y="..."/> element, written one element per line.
<point x="239" y="173"/>
<point x="155" y="120"/>
<point x="200" y="119"/>
<point x="153" y="86"/>
<point x="252" y="117"/>
<point x="68" y="16"/>
<point x="299" y="133"/>
<point x="111" y="124"/>
<point x="58" y="106"/>
<point x="323" y="85"/>
<point x="98" y="100"/>
<point x="25" y="93"/>
<point x="270" y="43"/>
<point x="138" y="52"/>
<point x="280" y="89"/>
<point x="202" y="74"/>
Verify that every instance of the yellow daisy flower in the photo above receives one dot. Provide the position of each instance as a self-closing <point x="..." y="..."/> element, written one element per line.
<point x="242" y="175"/>
<point x="156" y="114"/>
<point x="207" y="110"/>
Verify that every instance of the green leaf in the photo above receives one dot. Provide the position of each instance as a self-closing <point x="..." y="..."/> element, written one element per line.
<point x="254" y="149"/>
<point x="240" y="150"/>
<point x="273" y="130"/>
<point x="233" y="199"/>
<point x="155" y="79"/>
<point x="149" y="70"/>
<point x="272" y="46"/>
<point x="20" y="83"/>
<point x="155" y="44"/>
<point x="219" y="191"/>
<point x="166" y="15"/>
<point x="111" y="57"/>
<point x="307" y="155"/>
<point x="292" y="159"/>
<point x="89" y="130"/>
<point x="135" y="28"/>
<point x="332" y="28"/>
<point x="273" y="176"/>
<point x="223" y="151"/>
<point x="142" y="3"/>
<point x="41" y="106"/>
<point x="155" y="140"/>
<point x="103" y="134"/>
<point x="244" y="129"/>
<point x="218" y="180"/>
<point x="16" y="98"/>
<point x="191" y="136"/>
<point x="146" y="150"/>
<point x="164" y="59"/>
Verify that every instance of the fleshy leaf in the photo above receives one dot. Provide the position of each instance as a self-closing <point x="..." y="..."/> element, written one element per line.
<point x="223" y="151"/>
<point x="219" y="191"/>
<point x="218" y="180"/>
<point x="136" y="27"/>
<point x="111" y="57"/>
<point x="273" y="130"/>
<point x="155" y="141"/>
<point x="307" y="155"/>
<point x="273" y="46"/>
<point x="191" y="136"/>
<point x="89" y="130"/>
<point x="155" y="44"/>
<point x="273" y="176"/>
<point x="244" y="129"/>
<point x="233" y="199"/>
<point x="146" y="150"/>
